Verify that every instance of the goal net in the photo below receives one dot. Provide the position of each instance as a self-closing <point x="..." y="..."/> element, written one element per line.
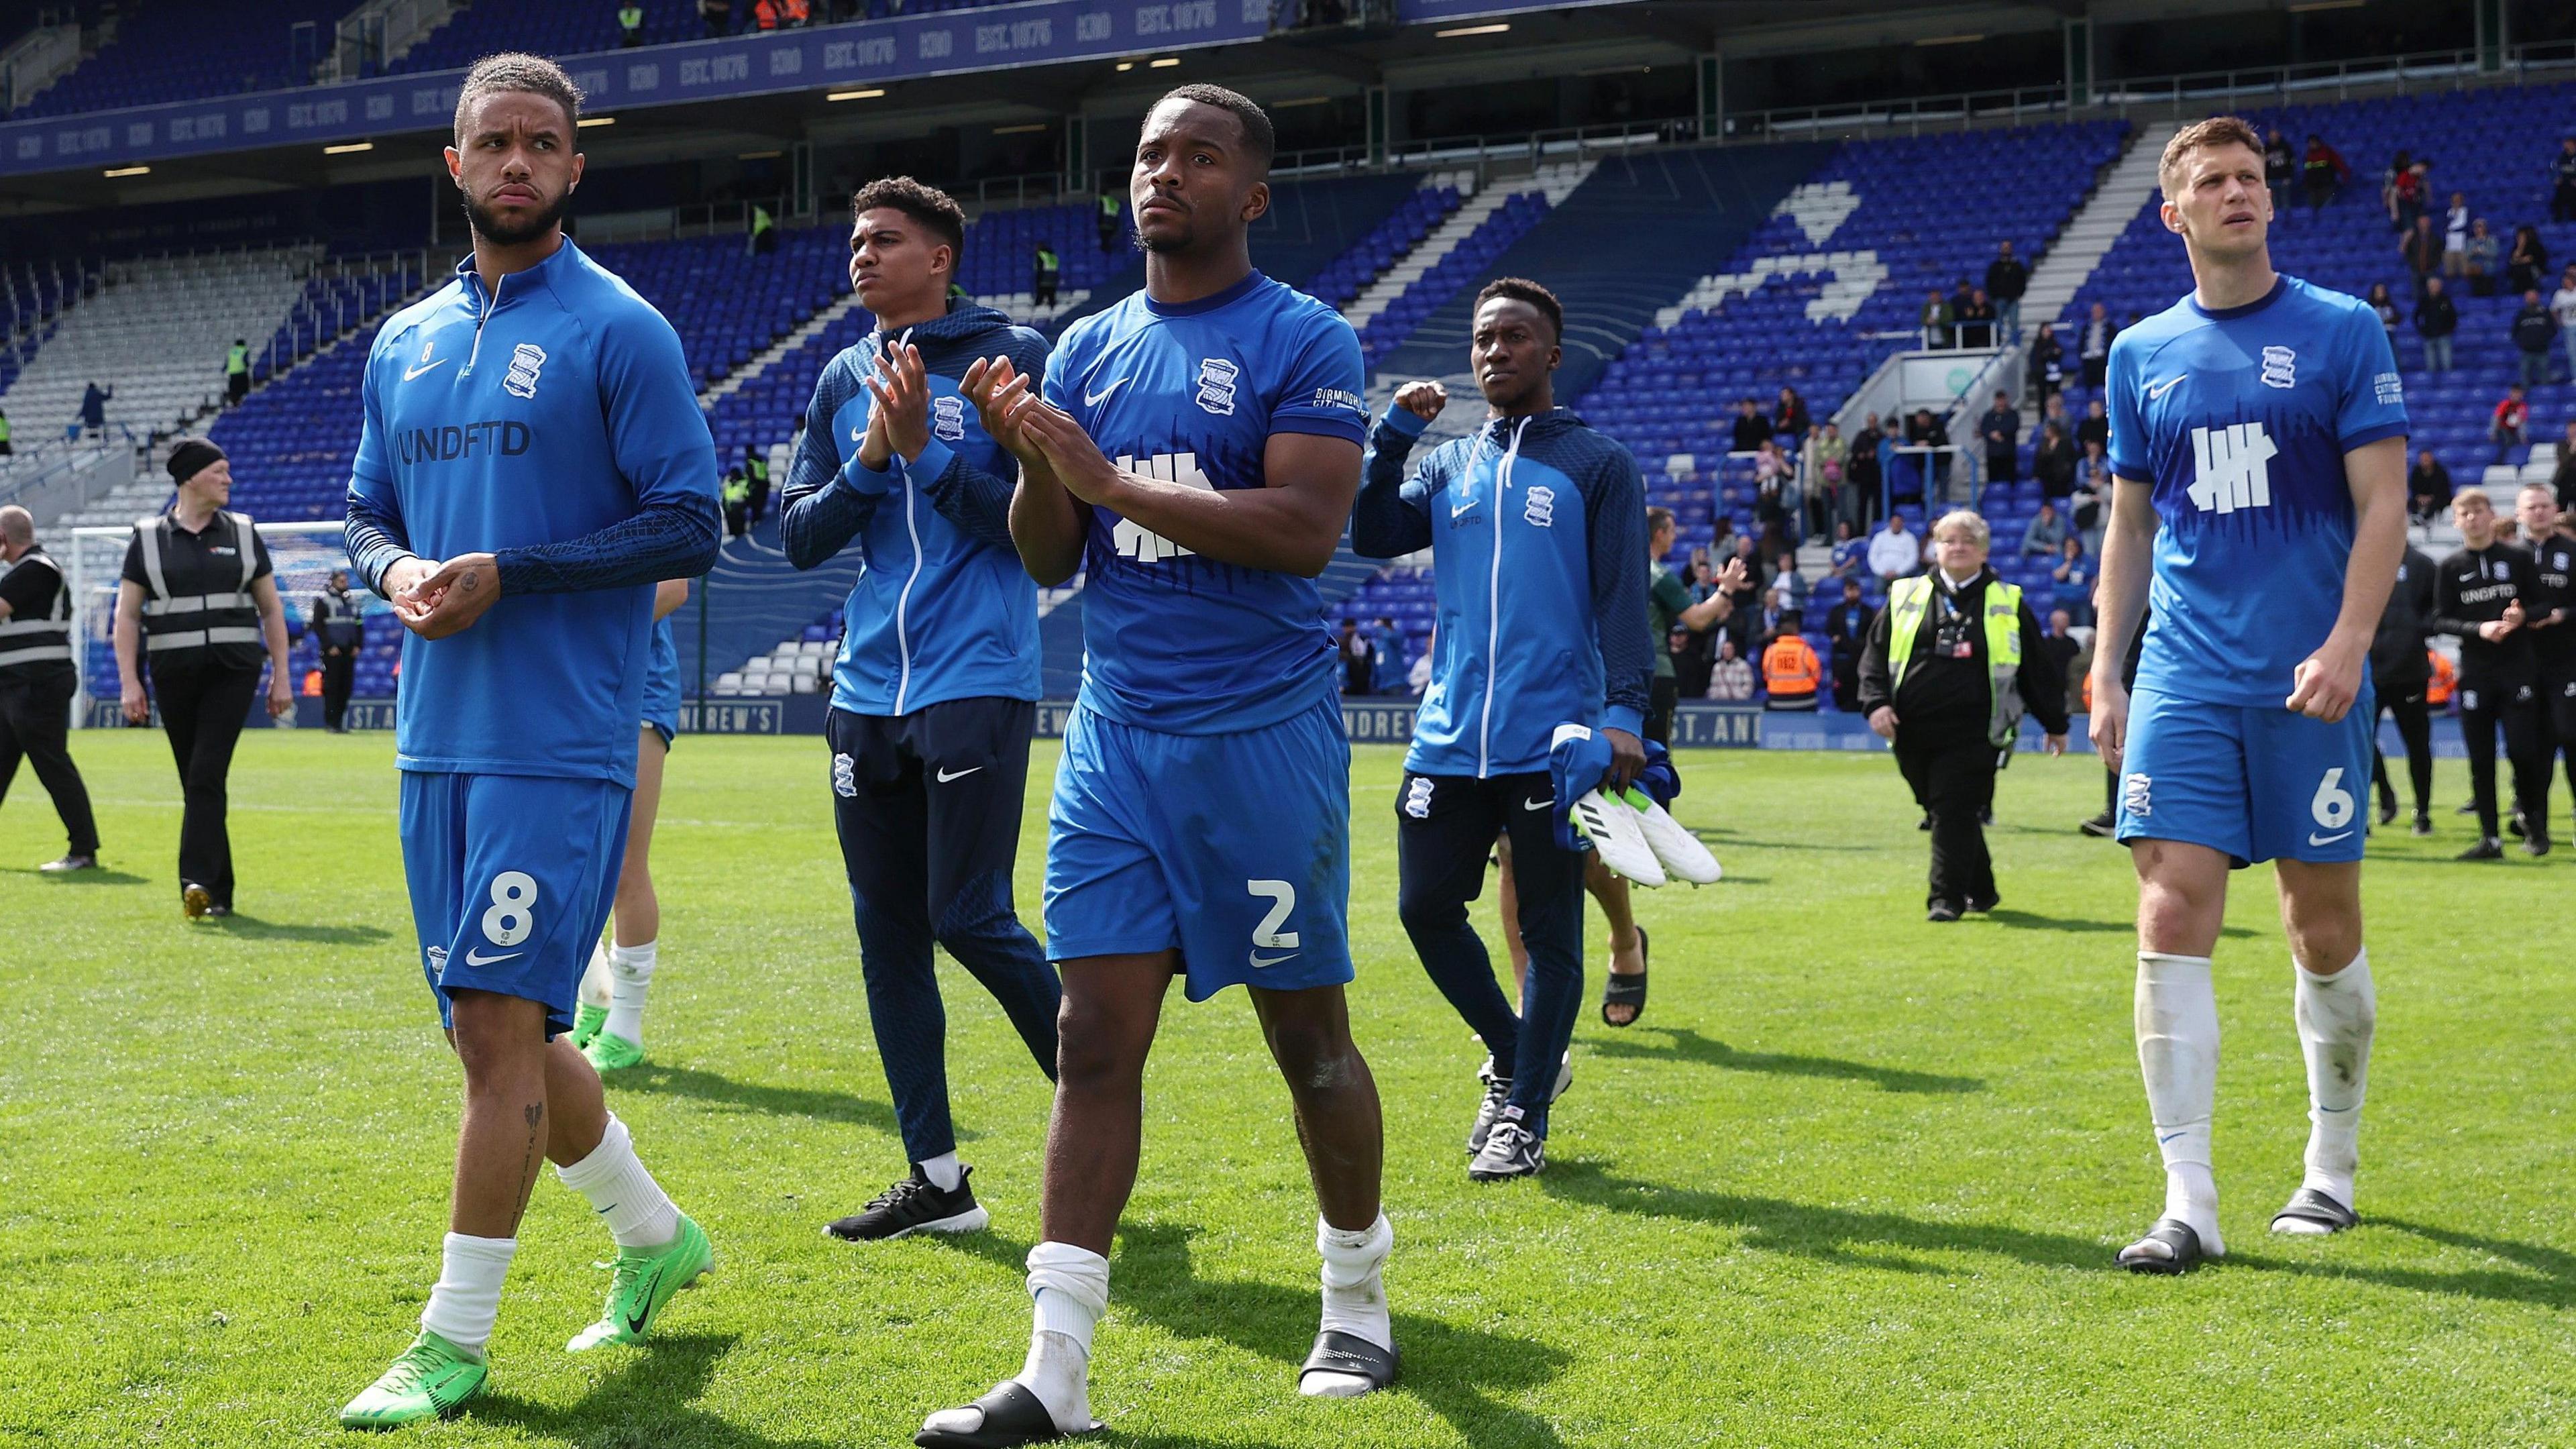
<point x="303" y="555"/>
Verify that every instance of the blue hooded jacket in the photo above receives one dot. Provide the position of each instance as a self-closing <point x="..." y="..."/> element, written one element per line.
<point x="1537" y="527"/>
<point x="943" y="611"/>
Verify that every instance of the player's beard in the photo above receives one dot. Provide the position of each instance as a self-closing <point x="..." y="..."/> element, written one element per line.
<point x="505" y="234"/>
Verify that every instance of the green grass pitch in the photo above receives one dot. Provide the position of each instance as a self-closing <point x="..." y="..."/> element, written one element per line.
<point x="1854" y="1180"/>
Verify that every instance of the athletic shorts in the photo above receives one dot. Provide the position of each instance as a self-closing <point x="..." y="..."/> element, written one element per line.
<point x="512" y="877"/>
<point x="2254" y="781"/>
<point x="1235" y="848"/>
<point x="662" y="686"/>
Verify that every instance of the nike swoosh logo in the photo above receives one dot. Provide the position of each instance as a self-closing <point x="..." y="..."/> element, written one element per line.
<point x="1537" y="804"/>
<point x="1258" y="962"/>
<point x="411" y="372"/>
<point x="635" y="1321"/>
<point x="2316" y="839"/>
<point x="1092" y="399"/>
<point x="945" y="777"/>
<point x="2157" y="390"/>
<point x="476" y="957"/>
<point x="2168" y="1137"/>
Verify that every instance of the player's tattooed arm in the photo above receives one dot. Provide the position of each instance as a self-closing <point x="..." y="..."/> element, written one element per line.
<point x="2327" y="682"/>
<point x="1291" y="525"/>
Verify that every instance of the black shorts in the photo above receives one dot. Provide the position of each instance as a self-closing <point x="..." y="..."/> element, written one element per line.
<point x="1661" y="696"/>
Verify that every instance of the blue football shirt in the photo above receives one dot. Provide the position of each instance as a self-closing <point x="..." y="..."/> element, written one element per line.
<point x="2240" y="419"/>
<point x="554" y="410"/>
<point x="1192" y="394"/>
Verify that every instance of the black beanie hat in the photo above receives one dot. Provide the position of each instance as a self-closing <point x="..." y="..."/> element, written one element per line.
<point x="192" y="457"/>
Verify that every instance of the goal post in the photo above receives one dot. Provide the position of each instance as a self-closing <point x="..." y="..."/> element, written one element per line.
<point x="303" y="554"/>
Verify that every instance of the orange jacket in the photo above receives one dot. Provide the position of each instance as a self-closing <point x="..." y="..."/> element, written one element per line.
<point x="1789" y="667"/>
<point x="2438" y="690"/>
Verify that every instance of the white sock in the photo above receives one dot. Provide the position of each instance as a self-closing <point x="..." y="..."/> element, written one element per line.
<point x="639" y="1214"/>
<point x="594" y="978"/>
<point x="1071" y="1288"/>
<point x="467" y="1296"/>
<point x="630" y="975"/>
<point x="1354" y="1298"/>
<point x="2177" y="1026"/>
<point x="2336" y="1015"/>
<point x="943" y="1171"/>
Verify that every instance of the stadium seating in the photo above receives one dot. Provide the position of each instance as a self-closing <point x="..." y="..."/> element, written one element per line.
<point x="1454" y="254"/>
<point x="179" y="52"/>
<point x="554" y="29"/>
<point x="1390" y="241"/>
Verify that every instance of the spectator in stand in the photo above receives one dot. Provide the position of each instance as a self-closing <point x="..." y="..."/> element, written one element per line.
<point x="2280" y="170"/>
<point x="2386" y="306"/>
<point x="1418" y="678"/>
<point x="1390" y="653"/>
<point x="2094" y="345"/>
<point x="1821" y="465"/>
<point x="800" y="13"/>
<point x="2414" y="194"/>
<point x="2061" y="645"/>
<point x="2095" y="426"/>
<point x="1961" y="294"/>
<point x="1359" y="655"/>
<point x="2563" y="478"/>
<point x="1847" y="626"/>
<point x="2053" y="411"/>
<point x="2562" y="175"/>
<point x="718" y="16"/>
<point x="2007" y="277"/>
<point x="1744" y="594"/>
<point x="1789" y="414"/>
<point x="2053" y="462"/>
<point x="1046" y="271"/>
<point x="1928" y="432"/>
<point x="2535" y="331"/>
<point x="2562" y="310"/>
<point x="2045" y="534"/>
<point x="2528" y="260"/>
<point x="2428" y="487"/>
<point x="1895" y="553"/>
<point x="1935" y="321"/>
<point x="2073" y="578"/>
<point x="1851" y="553"/>
<point x="2092" y="496"/>
<point x="764" y="15"/>
<point x="2511" y="416"/>
<point x="2047" y="364"/>
<point x="2482" y="260"/>
<point x="93" y="408"/>
<point x="1775" y="481"/>
<point x="1976" y="318"/>
<point x="2436" y="318"/>
<point x="1792" y="676"/>
<point x="2421" y="249"/>
<point x="1752" y="429"/>
<point x="1730" y="678"/>
<point x="2324" y="171"/>
<point x="2000" y="429"/>
<point x="630" y="25"/>
<point x="1861" y="475"/>
<point x="1788" y="586"/>
<point x="2455" y="237"/>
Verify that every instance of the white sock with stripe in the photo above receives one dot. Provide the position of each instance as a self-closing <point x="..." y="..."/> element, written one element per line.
<point x="638" y="1213"/>
<point x="2337" y="1016"/>
<point x="2177" y="1028"/>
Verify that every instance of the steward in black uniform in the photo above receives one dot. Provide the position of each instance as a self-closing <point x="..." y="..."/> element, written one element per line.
<point x="199" y="602"/>
<point x="37" y="682"/>
<point x="2482" y="597"/>
<point x="2399" y="675"/>
<point x="337" y="632"/>
<point x="2553" y="645"/>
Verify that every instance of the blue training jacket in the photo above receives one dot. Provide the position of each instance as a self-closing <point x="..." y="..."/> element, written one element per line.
<point x="1537" y="527"/>
<point x="943" y="610"/>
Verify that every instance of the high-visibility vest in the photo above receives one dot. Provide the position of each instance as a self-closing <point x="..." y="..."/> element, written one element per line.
<point x="630" y="17"/>
<point x="2437" y="690"/>
<point x="1789" y="667"/>
<point x="737" y="489"/>
<point x="756" y="470"/>
<point x="1909" y="602"/>
<point x="197" y="621"/>
<point x="1047" y="263"/>
<point x="342" y="625"/>
<point x="4" y="429"/>
<point x="760" y="220"/>
<point x="237" y="361"/>
<point x="1108" y="206"/>
<point x="38" y="638"/>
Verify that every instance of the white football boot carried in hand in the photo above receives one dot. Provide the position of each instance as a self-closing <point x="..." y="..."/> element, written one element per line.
<point x="1618" y="832"/>
<point x="1679" y="851"/>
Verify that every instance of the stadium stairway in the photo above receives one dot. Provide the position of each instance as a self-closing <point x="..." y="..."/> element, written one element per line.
<point x="2096" y="227"/>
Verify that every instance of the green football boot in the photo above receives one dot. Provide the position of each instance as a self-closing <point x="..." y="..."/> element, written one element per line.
<point x="431" y="1379"/>
<point x="645" y="1279"/>
<point x="586" y="1024"/>
<point x="609" y="1052"/>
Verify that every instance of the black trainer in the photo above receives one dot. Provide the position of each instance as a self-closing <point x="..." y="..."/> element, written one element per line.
<point x="69" y="863"/>
<point x="2487" y="849"/>
<point x="2100" y="827"/>
<point x="2535" y="845"/>
<point x="1498" y="1090"/>
<point x="2423" y="823"/>
<point x="914" y="1205"/>
<point x="1512" y="1151"/>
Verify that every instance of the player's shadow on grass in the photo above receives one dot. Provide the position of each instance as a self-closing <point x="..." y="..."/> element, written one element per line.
<point x="1457" y="1372"/>
<point x="2025" y="921"/>
<point x="816" y="1102"/>
<point x="643" y="1403"/>
<point x="1688" y="1045"/>
<point x="252" y="928"/>
<point x="95" y="876"/>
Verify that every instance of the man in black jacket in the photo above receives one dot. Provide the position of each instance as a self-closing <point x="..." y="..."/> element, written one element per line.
<point x="2000" y="430"/>
<point x="2484" y="596"/>
<point x="2428" y="487"/>
<point x="2399" y="675"/>
<point x="2552" y="622"/>
<point x="1751" y="428"/>
<point x="1848" y="624"/>
<point x="1951" y="663"/>
<point x="2006" y="279"/>
<point x="2436" y="318"/>
<point x="37" y="682"/>
<point x="2533" y="332"/>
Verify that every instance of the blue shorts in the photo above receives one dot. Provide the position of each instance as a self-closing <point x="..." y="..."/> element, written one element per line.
<point x="2254" y="781"/>
<point x="512" y="877"/>
<point x="662" y="685"/>
<point x="1235" y="848"/>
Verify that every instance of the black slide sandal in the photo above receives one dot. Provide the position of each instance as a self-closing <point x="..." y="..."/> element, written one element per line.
<point x="2180" y="1239"/>
<point x="2308" y="1205"/>
<point x="1346" y="1353"/>
<point x="1618" y="990"/>
<point x="1012" y="1416"/>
